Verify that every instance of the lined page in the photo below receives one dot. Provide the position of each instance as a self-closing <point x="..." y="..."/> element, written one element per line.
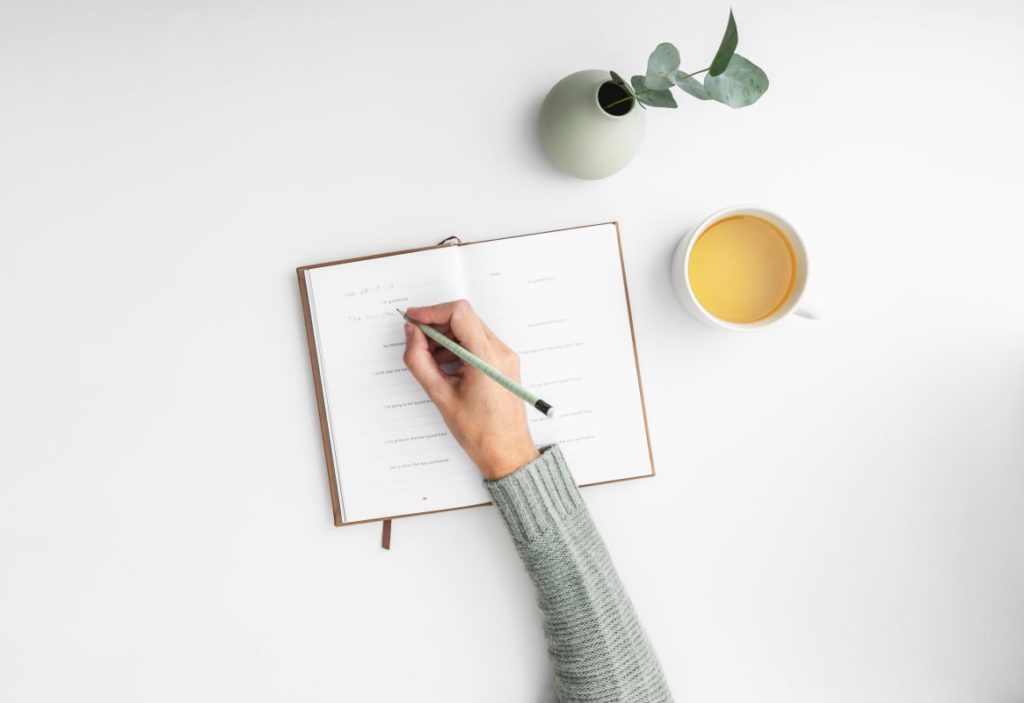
<point x="558" y="299"/>
<point x="392" y="451"/>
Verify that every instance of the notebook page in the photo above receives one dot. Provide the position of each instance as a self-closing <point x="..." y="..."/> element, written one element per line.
<point x="558" y="299"/>
<point x="392" y="451"/>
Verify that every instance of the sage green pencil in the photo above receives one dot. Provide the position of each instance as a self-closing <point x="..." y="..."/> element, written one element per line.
<point x="477" y="363"/>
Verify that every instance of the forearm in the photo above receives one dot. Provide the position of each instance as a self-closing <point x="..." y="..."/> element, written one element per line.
<point x="597" y="646"/>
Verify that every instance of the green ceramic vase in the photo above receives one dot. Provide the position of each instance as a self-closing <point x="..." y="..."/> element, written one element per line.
<point x="583" y="138"/>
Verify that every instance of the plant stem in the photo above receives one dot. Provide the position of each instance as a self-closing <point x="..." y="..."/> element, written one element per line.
<point x="628" y="97"/>
<point x="632" y="95"/>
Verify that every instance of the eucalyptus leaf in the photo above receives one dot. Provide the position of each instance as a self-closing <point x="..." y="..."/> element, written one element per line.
<point x="658" y="98"/>
<point x="616" y="78"/>
<point x="726" y="49"/>
<point x="654" y="98"/>
<point x="657" y="82"/>
<point x="688" y="84"/>
<point x="740" y="85"/>
<point x="662" y="62"/>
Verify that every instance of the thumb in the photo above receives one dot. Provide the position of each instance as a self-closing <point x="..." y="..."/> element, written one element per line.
<point x="424" y="367"/>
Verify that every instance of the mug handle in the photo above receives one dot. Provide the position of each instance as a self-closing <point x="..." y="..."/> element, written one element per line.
<point x="808" y="312"/>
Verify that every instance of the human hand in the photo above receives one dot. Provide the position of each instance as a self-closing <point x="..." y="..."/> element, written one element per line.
<point x="487" y="421"/>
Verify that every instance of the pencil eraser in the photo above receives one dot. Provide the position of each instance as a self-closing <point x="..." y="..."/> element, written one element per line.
<point x="550" y="412"/>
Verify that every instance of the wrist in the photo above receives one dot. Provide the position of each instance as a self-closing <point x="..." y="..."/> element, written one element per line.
<point x="508" y="462"/>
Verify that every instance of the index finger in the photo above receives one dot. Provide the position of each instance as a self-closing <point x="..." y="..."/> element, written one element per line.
<point x="457" y="314"/>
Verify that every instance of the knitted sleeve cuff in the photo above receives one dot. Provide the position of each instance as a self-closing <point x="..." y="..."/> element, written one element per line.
<point x="536" y="496"/>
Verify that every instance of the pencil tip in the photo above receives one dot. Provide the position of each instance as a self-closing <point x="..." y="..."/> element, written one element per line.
<point x="550" y="412"/>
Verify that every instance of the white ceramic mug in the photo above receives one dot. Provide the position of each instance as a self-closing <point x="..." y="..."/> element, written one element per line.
<point x="681" y="267"/>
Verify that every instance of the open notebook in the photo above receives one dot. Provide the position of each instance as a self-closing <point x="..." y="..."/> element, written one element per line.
<point x="558" y="298"/>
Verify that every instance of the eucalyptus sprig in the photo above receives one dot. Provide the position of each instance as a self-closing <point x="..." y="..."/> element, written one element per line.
<point x="731" y="79"/>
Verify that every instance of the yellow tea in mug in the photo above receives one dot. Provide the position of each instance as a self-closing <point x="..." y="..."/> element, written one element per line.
<point x="742" y="269"/>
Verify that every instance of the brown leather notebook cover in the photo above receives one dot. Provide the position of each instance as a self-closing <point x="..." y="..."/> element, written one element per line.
<point x="319" y="391"/>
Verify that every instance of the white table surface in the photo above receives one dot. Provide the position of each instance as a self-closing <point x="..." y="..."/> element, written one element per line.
<point x="839" y="509"/>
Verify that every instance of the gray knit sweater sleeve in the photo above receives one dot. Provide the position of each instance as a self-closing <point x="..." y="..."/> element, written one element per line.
<point x="596" y="644"/>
